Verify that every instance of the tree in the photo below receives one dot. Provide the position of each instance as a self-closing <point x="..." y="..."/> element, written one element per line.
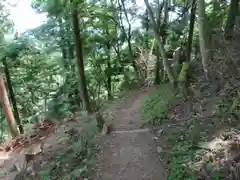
<point x="128" y="34"/>
<point x="80" y="64"/>
<point x="159" y="41"/>
<point x="191" y="29"/>
<point x="12" y="96"/>
<point x="184" y="74"/>
<point x="202" y="24"/>
<point x="232" y="13"/>
<point x="7" y="109"/>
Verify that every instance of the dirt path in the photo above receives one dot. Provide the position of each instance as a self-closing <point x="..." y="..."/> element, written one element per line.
<point x="129" y="153"/>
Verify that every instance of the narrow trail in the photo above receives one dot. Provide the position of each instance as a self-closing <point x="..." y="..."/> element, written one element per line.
<point x="129" y="153"/>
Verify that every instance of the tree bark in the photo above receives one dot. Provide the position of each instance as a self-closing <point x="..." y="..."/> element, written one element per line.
<point x="203" y="36"/>
<point x="191" y="29"/>
<point x="129" y="37"/>
<point x="232" y="13"/>
<point x="12" y="97"/>
<point x="158" y="60"/>
<point x="109" y="73"/>
<point x="147" y="29"/>
<point x="160" y="45"/>
<point x="184" y="73"/>
<point x="7" y="109"/>
<point x="80" y="60"/>
<point x="157" y="73"/>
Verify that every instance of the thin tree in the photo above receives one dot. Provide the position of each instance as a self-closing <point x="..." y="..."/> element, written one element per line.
<point x="203" y="36"/>
<point x="159" y="41"/>
<point x="232" y="13"/>
<point x="7" y="109"/>
<point x="12" y="96"/>
<point x="80" y="60"/>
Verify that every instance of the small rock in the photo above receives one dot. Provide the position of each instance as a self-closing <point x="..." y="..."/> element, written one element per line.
<point x="155" y="138"/>
<point x="160" y="131"/>
<point x="159" y="149"/>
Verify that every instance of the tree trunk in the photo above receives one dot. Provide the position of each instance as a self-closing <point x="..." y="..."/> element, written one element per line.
<point x="12" y="97"/>
<point x="109" y="82"/>
<point x="80" y="64"/>
<point x="129" y="37"/>
<point x="7" y="109"/>
<point x="185" y="13"/>
<point x="158" y="64"/>
<point x="109" y="72"/>
<point x="158" y="61"/>
<point x="191" y="29"/>
<point x="232" y="13"/>
<point x="203" y="36"/>
<point x="62" y="43"/>
<point x="147" y="29"/>
<point x="160" y="45"/>
<point x="184" y="73"/>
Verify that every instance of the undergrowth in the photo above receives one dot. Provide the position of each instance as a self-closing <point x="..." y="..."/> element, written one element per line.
<point x="76" y="161"/>
<point x="154" y="111"/>
<point x="183" y="152"/>
<point x="155" y="106"/>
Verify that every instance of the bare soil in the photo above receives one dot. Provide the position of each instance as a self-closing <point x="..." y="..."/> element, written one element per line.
<point x="131" y="155"/>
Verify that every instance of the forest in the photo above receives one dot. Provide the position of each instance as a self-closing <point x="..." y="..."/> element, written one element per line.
<point x="88" y="57"/>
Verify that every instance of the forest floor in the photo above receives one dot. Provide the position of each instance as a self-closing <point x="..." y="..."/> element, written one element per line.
<point x="129" y="152"/>
<point x="196" y="136"/>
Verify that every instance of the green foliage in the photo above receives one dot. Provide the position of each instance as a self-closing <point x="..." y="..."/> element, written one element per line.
<point x="155" y="107"/>
<point x="42" y="65"/>
<point x="179" y="169"/>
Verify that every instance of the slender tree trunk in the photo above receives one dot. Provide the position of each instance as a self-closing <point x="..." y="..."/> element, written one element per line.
<point x="158" y="65"/>
<point x="184" y="74"/>
<point x="12" y="97"/>
<point x="109" y="72"/>
<point x="62" y="43"/>
<point x="7" y="109"/>
<point x="166" y="16"/>
<point x="158" y="61"/>
<point x="147" y="29"/>
<point x="203" y="36"/>
<point x="232" y="13"/>
<point x="129" y="37"/>
<point x="160" y="45"/>
<point x="80" y="64"/>
<point x="185" y="12"/>
<point x="109" y="82"/>
<point x="191" y="29"/>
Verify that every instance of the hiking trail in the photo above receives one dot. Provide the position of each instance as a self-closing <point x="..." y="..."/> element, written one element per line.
<point x="129" y="152"/>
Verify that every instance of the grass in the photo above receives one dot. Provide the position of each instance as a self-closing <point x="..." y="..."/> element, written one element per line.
<point x="155" y="106"/>
<point x="154" y="110"/>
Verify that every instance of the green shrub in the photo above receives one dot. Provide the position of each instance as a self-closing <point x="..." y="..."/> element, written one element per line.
<point x="155" y="107"/>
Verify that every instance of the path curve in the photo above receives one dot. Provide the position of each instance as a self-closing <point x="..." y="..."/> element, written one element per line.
<point x="130" y="152"/>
